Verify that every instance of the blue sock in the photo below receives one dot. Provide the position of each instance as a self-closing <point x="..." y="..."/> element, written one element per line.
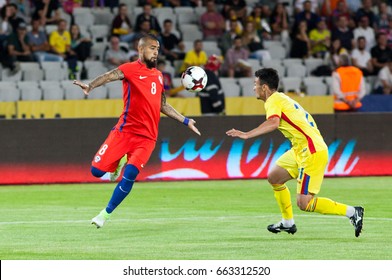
<point x="96" y="172"/>
<point x="123" y="188"/>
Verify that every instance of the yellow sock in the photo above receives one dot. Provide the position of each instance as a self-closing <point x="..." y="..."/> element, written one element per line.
<point x="326" y="206"/>
<point x="282" y="196"/>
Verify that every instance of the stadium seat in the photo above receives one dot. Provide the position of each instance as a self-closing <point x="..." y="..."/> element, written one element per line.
<point x="99" y="33"/>
<point x="277" y="65"/>
<point x="296" y="70"/>
<point x="200" y="10"/>
<point x="98" y="49"/>
<point x="115" y="90"/>
<point x="291" y="61"/>
<point x="230" y="87"/>
<point x="255" y="64"/>
<point x="31" y="71"/>
<point x="312" y="63"/>
<point x="183" y="10"/>
<point x="162" y="17"/>
<point x="52" y="91"/>
<point x="277" y="52"/>
<point x="291" y="84"/>
<point x="315" y="86"/>
<point x="246" y="85"/>
<point x="99" y="93"/>
<point x="55" y="71"/>
<point x="190" y="32"/>
<point x="187" y="18"/>
<point x="6" y="75"/>
<point x="71" y="91"/>
<point x="102" y="16"/>
<point x="95" y="71"/>
<point x="8" y="94"/>
<point x="168" y="11"/>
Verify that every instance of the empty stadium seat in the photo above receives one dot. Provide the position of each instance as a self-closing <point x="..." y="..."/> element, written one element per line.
<point x="230" y="87"/>
<point x="296" y="70"/>
<point x="115" y="90"/>
<point x="291" y="84"/>
<point x="9" y="94"/>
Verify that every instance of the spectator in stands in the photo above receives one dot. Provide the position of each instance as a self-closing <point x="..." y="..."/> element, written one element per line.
<point x="5" y="30"/>
<point x="382" y="19"/>
<point x="48" y="11"/>
<point x="300" y="46"/>
<point x="231" y="16"/>
<point x="146" y="15"/>
<point x="115" y="55"/>
<point x="121" y="25"/>
<point x="60" y="44"/>
<point x="227" y="39"/>
<point x="348" y="86"/>
<point x="212" y="23"/>
<point x="332" y="58"/>
<point x="366" y="9"/>
<point x="260" y="19"/>
<point x="171" y="46"/>
<point x="307" y="15"/>
<point x="384" y="80"/>
<point x="18" y="48"/>
<point x="320" y="39"/>
<point x="344" y="34"/>
<point x="235" y="63"/>
<point x="361" y="58"/>
<point x="239" y="7"/>
<point x="169" y="87"/>
<point x="381" y="53"/>
<point x="364" y="30"/>
<point x="11" y="18"/>
<point x="354" y="5"/>
<point x="342" y="10"/>
<point x="38" y="43"/>
<point x="212" y="97"/>
<point x="80" y="44"/>
<point x="388" y="32"/>
<point x="279" y="22"/>
<point x="254" y="43"/>
<point x="328" y="6"/>
<point x="194" y="57"/>
<point x="93" y="3"/>
<point x="313" y="5"/>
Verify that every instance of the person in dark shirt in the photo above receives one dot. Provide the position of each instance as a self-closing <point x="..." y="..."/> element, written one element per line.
<point x="381" y="53"/>
<point x="343" y="33"/>
<point x="147" y="15"/>
<point x="212" y="98"/>
<point x="172" y="47"/>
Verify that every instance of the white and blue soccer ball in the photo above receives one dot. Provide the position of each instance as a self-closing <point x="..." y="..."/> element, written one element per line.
<point x="194" y="79"/>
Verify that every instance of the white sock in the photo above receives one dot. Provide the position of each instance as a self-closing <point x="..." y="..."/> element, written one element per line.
<point x="288" y="223"/>
<point x="350" y="211"/>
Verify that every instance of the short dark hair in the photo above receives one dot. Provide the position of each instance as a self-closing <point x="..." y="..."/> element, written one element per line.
<point x="167" y="20"/>
<point x="268" y="76"/>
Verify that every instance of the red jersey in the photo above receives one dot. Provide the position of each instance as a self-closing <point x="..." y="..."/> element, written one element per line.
<point x="142" y="93"/>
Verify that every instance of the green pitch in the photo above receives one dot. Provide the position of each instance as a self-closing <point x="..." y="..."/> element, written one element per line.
<point x="195" y="220"/>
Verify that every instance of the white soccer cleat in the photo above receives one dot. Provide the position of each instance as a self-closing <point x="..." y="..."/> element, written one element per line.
<point x="100" y="219"/>
<point x="114" y="175"/>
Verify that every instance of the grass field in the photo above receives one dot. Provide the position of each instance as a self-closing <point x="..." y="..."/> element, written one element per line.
<point x="195" y="220"/>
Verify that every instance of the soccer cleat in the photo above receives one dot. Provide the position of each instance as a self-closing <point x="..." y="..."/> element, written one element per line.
<point x="114" y="175"/>
<point x="276" y="228"/>
<point x="357" y="220"/>
<point x="100" y="219"/>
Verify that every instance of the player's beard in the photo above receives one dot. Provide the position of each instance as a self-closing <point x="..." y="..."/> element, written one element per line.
<point x="151" y="63"/>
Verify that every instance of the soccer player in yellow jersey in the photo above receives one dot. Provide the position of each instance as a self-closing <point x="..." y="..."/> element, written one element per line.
<point x="305" y="161"/>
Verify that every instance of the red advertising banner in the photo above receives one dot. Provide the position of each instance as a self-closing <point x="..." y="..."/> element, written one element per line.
<point x="60" y="151"/>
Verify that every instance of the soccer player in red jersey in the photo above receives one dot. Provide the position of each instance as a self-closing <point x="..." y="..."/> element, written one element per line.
<point x="136" y="131"/>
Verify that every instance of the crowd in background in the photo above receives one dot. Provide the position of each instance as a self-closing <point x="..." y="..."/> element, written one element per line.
<point x="325" y="29"/>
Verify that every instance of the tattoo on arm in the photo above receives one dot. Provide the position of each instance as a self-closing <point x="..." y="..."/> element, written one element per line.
<point x="110" y="76"/>
<point x="169" y="111"/>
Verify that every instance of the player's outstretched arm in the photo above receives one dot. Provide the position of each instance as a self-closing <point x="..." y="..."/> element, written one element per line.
<point x="269" y="125"/>
<point x="169" y="111"/>
<point x="110" y="76"/>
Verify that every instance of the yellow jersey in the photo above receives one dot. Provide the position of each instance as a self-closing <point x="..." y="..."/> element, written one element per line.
<point x="296" y="124"/>
<point x="60" y="41"/>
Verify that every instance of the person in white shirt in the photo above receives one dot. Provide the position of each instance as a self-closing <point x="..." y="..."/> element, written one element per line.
<point x="362" y="58"/>
<point x="366" y="31"/>
<point x="384" y="80"/>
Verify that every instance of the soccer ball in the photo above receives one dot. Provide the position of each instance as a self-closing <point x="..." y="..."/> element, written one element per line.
<point x="194" y="79"/>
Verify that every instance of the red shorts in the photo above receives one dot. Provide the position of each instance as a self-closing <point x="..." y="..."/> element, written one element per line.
<point x="137" y="148"/>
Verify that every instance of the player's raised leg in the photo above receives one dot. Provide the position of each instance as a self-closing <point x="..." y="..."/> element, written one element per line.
<point x="309" y="182"/>
<point x="121" y="191"/>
